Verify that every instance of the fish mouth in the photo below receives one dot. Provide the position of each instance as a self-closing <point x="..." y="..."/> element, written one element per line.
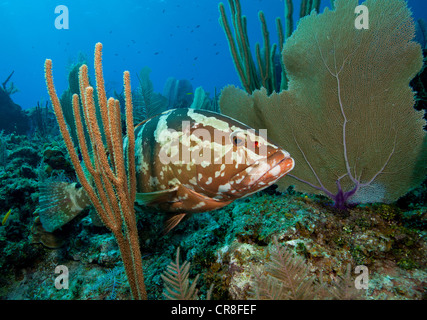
<point x="279" y="170"/>
<point x="278" y="165"/>
<point x="264" y="173"/>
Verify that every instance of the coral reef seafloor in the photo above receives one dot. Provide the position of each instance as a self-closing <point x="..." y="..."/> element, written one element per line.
<point x="229" y="248"/>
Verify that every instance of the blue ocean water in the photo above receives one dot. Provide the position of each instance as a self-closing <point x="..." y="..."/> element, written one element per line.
<point x="175" y="38"/>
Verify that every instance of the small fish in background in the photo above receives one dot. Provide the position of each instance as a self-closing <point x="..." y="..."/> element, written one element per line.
<point x="6" y="217"/>
<point x="187" y="161"/>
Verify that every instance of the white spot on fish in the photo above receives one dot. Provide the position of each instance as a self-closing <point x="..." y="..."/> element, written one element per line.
<point x="184" y="197"/>
<point x="199" y="205"/>
<point x="193" y="181"/>
<point x="160" y="134"/>
<point x="154" y="181"/>
<point x="275" y="171"/>
<point x="208" y="121"/>
<point x="205" y="163"/>
<point x="174" y="182"/>
<point x="224" y="187"/>
<point x="143" y="166"/>
<point x="189" y="164"/>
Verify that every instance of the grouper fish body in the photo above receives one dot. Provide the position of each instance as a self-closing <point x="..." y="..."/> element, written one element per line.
<point x="187" y="161"/>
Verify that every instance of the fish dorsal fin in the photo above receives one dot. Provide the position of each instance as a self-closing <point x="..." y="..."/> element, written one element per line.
<point x="142" y="122"/>
<point x="149" y="198"/>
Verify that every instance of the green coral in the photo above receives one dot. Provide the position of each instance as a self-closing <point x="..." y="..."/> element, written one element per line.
<point x="257" y="220"/>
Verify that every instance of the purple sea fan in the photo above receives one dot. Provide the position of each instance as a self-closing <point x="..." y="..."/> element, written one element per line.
<point x="347" y="117"/>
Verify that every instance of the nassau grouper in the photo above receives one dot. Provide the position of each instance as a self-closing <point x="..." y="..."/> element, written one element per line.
<point x="187" y="161"/>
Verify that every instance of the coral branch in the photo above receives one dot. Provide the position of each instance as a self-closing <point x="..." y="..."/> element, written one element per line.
<point x="111" y="194"/>
<point x="251" y="78"/>
<point x="7" y="80"/>
<point x="348" y="98"/>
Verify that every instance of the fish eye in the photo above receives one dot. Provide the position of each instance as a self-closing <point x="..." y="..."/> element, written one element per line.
<point x="237" y="138"/>
<point x="237" y="141"/>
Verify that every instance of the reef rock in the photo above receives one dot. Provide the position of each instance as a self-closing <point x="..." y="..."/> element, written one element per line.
<point x="13" y="119"/>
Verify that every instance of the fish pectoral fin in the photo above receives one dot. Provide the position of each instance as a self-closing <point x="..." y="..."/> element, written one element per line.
<point x="173" y="221"/>
<point x="149" y="198"/>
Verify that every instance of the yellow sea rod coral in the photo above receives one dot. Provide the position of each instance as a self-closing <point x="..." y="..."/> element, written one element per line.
<point x="112" y="192"/>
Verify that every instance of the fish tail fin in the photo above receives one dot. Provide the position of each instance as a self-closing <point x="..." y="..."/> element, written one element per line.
<point x="59" y="202"/>
<point x="172" y="222"/>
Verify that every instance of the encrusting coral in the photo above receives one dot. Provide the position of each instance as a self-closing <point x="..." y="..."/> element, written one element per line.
<point x="348" y="116"/>
<point x="113" y="191"/>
